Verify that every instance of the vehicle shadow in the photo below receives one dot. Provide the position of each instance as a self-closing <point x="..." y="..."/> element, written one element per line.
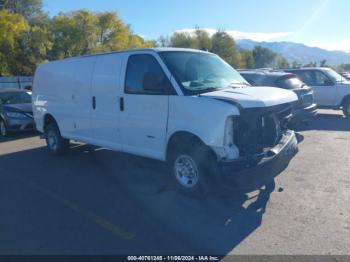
<point x="128" y="192"/>
<point x="326" y="122"/>
<point x="17" y="136"/>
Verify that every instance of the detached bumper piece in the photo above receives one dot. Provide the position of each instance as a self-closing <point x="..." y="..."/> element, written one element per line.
<point x="253" y="171"/>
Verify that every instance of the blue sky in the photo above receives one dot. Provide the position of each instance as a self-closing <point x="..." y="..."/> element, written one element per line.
<point x="323" y="23"/>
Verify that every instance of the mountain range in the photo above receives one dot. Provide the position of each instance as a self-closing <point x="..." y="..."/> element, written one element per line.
<point x="299" y="52"/>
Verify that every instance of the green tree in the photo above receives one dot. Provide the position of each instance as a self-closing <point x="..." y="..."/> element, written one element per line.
<point x="184" y="40"/>
<point x="27" y="8"/>
<point x="64" y="38"/>
<point x="202" y="40"/>
<point x="136" y="41"/>
<point x="34" y="47"/>
<point x="310" y="64"/>
<point x="83" y="32"/>
<point x="112" y="32"/>
<point x="163" y="41"/>
<point x="296" y="64"/>
<point x="28" y="36"/>
<point x="86" y="34"/>
<point x="280" y="62"/>
<point x="264" y="57"/>
<point x="224" y="46"/>
<point x="12" y="28"/>
<point x="247" y="58"/>
<point x="343" y="67"/>
<point x="323" y="63"/>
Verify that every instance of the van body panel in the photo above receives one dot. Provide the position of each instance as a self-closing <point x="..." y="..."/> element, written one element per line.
<point x="204" y="114"/>
<point x="106" y="86"/>
<point x="79" y="115"/>
<point x="62" y="89"/>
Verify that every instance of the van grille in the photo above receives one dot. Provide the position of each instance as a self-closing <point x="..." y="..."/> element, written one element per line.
<point x="257" y="130"/>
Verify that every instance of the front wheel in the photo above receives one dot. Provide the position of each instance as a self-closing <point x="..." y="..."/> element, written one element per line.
<point x="346" y="108"/>
<point x="3" y="128"/>
<point x="193" y="170"/>
<point x="55" y="142"/>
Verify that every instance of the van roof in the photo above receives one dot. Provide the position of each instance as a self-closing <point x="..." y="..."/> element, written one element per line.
<point x="156" y="49"/>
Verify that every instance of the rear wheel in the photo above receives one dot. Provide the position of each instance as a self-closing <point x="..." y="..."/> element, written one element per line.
<point x="193" y="170"/>
<point x="3" y="128"/>
<point x="346" y="108"/>
<point x="55" y="142"/>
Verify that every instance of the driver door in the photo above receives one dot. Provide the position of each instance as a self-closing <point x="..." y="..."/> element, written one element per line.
<point x="144" y="106"/>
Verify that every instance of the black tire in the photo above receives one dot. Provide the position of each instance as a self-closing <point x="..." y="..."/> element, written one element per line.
<point x="204" y="163"/>
<point x="3" y="129"/>
<point x="54" y="141"/>
<point x="346" y="108"/>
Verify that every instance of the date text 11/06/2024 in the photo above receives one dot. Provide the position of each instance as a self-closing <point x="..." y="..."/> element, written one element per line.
<point x="173" y="258"/>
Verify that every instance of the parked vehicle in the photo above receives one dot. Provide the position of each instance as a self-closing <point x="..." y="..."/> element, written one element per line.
<point x="346" y="75"/>
<point x="305" y="109"/>
<point x="183" y="106"/>
<point x="18" y="82"/>
<point x="16" y="112"/>
<point x="331" y="90"/>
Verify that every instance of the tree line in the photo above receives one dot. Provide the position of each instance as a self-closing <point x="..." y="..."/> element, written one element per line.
<point x="28" y="37"/>
<point x="224" y="45"/>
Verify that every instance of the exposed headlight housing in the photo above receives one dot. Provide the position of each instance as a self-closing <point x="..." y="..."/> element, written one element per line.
<point x="15" y="115"/>
<point x="231" y="150"/>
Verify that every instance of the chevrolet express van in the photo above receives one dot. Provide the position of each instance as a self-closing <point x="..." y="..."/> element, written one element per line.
<point x="183" y="106"/>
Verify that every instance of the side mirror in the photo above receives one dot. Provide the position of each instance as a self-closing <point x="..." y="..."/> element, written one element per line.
<point x="328" y="82"/>
<point x="153" y="82"/>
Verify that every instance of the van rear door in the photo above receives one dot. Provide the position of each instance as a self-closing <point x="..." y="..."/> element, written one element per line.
<point x="144" y="106"/>
<point x="104" y="102"/>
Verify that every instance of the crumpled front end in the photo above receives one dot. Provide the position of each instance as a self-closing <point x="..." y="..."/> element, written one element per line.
<point x="265" y="145"/>
<point x="257" y="130"/>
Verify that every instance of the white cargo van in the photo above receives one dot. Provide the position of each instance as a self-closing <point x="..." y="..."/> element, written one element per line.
<point x="187" y="107"/>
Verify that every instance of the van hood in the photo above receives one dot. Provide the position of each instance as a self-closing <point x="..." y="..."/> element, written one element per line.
<point x="252" y="97"/>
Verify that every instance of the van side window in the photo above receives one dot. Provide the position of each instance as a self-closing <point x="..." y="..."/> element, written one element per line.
<point x="145" y="76"/>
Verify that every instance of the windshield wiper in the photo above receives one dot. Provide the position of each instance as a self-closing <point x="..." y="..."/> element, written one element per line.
<point x="209" y="89"/>
<point x="239" y="83"/>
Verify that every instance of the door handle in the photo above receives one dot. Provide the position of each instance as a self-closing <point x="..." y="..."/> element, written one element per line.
<point x="93" y="102"/>
<point x="121" y="103"/>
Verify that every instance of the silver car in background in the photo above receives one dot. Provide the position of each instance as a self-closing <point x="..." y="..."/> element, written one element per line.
<point x="16" y="112"/>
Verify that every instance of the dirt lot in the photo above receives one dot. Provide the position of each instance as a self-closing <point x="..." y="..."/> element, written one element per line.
<point x="95" y="201"/>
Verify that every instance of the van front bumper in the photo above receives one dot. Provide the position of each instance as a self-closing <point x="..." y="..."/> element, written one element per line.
<point x="255" y="171"/>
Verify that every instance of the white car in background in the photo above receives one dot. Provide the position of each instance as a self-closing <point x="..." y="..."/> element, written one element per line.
<point x="186" y="107"/>
<point x="331" y="90"/>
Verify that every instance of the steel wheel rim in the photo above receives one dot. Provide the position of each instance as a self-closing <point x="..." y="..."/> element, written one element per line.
<point x="3" y="131"/>
<point x="186" y="171"/>
<point x="52" y="140"/>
